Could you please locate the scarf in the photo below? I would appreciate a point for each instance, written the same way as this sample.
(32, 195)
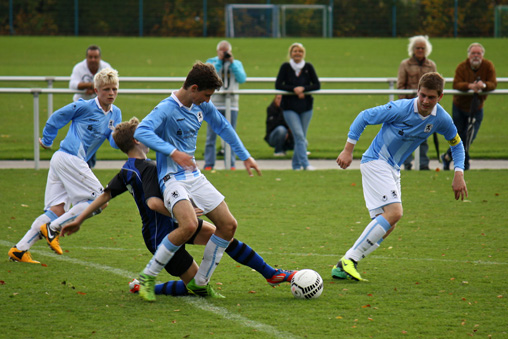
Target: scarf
(297, 67)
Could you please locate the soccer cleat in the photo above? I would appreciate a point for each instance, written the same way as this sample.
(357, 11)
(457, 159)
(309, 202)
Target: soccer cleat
(21, 256)
(349, 266)
(202, 291)
(53, 238)
(134, 286)
(147, 287)
(281, 276)
(338, 273)
(208, 168)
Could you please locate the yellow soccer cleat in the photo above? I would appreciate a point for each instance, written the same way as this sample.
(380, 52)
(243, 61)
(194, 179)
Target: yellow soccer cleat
(21, 256)
(53, 238)
(349, 266)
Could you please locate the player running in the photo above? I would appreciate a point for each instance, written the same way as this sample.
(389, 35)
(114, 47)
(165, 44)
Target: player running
(406, 124)
(70, 181)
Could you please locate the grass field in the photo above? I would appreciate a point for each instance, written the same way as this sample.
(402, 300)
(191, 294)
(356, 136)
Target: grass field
(441, 274)
(261, 57)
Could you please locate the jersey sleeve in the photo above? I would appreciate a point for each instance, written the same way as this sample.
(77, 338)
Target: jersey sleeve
(372, 116)
(116, 186)
(150, 181)
(146, 132)
(57, 120)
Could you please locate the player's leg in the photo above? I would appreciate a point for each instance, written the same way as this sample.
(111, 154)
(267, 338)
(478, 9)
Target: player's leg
(381, 186)
(80, 186)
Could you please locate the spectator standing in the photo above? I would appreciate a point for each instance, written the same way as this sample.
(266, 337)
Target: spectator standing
(410, 72)
(278, 134)
(82, 79)
(298, 77)
(479, 75)
(232, 75)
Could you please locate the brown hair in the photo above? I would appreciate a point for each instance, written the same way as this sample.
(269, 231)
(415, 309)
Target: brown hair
(432, 81)
(124, 134)
(204, 76)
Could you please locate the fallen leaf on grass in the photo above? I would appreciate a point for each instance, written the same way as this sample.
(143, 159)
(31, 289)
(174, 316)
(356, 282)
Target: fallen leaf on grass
(2, 282)
(365, 306)
(82, 293)
(338, 317)
(252, 292)
(23, 205)
(500, 296)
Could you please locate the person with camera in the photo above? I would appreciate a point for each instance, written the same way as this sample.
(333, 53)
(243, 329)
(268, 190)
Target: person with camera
(232, 74)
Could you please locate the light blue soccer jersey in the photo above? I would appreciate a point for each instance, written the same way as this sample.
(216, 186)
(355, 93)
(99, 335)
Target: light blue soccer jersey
(90, 127)
(403, 130)
(172, 126)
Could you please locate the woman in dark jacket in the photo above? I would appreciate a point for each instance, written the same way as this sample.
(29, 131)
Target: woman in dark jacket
(298, 76)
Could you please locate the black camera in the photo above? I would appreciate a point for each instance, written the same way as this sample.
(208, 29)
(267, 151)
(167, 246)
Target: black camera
(226, 56)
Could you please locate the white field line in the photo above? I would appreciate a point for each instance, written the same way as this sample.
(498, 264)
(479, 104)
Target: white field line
(199, 303)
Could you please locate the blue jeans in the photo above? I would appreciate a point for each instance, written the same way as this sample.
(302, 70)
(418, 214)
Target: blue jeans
(211, 138)
(298, 123)
(277, 139)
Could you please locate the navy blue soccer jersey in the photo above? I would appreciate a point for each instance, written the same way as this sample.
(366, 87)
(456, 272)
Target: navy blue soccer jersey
(139, 177)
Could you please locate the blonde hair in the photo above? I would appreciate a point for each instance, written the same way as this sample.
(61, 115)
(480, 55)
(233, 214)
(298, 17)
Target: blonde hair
(296, 44)
(419, 38)
(106, 76)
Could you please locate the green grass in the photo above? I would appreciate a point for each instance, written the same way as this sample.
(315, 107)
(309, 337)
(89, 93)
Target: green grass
(340, 57)
(441, 274)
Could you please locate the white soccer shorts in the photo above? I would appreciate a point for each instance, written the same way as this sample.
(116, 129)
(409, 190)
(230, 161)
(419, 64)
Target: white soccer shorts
(199, 189)
(70, 181)
(381, 185)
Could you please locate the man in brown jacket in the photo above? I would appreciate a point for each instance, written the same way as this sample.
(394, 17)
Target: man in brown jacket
(479, 75)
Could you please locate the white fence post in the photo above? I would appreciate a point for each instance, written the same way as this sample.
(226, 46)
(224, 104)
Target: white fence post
(36, 129)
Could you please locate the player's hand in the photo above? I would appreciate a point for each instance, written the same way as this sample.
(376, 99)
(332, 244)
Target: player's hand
(251, 163)
(184, 160)
(70, 228)
(459, 185)
(42, 145)
(344, 159)
(199, 212)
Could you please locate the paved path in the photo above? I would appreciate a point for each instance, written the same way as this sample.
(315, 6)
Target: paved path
(277, 164)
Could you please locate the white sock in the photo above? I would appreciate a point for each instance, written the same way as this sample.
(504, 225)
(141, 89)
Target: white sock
(32, 236)
(57, 224)
(214, 250)
(162, 256)
(368, 241)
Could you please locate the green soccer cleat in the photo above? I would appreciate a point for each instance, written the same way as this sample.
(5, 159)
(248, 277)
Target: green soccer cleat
(202, 291)
(349, 266)
(338, 273)
(147, 287)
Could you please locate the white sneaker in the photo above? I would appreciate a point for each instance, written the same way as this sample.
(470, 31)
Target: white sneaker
(309, 153)
(310, 168)
(279, 154)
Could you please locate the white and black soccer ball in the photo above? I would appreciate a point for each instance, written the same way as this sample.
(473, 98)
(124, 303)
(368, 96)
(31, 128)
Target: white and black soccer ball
(307, 284)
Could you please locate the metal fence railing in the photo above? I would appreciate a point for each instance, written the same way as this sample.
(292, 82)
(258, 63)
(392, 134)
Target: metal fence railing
(37, 92)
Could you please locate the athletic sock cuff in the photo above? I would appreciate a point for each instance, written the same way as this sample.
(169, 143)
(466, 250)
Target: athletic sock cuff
(219, 241)
(383, 222)
(169, 245)
(51, 215)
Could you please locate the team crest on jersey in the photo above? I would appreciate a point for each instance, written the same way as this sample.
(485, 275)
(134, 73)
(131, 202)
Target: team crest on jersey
(428, 128)
(111, 125)
(175, 194)
(394, 194)
(384, 198)
(200, 116)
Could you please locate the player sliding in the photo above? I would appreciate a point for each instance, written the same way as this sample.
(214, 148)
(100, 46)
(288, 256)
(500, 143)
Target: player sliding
(406, 124)
(70, 180)
(139, 176)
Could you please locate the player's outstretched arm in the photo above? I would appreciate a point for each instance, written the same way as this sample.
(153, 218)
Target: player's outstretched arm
(99, 203)
(459, 185)
(251, 163)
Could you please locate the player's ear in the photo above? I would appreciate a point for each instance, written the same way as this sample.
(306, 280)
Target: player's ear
(194, 88)
(440, 97)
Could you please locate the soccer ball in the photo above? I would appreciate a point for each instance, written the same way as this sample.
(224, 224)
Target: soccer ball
(306, 284)
(134, 286)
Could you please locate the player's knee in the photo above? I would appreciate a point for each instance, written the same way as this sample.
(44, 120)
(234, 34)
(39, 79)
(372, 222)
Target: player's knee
(189, 227)
(228, 228)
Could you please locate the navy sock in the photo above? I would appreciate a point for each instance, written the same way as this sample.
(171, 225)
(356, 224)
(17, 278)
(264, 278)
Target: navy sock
(172, 287)
(245, 255)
